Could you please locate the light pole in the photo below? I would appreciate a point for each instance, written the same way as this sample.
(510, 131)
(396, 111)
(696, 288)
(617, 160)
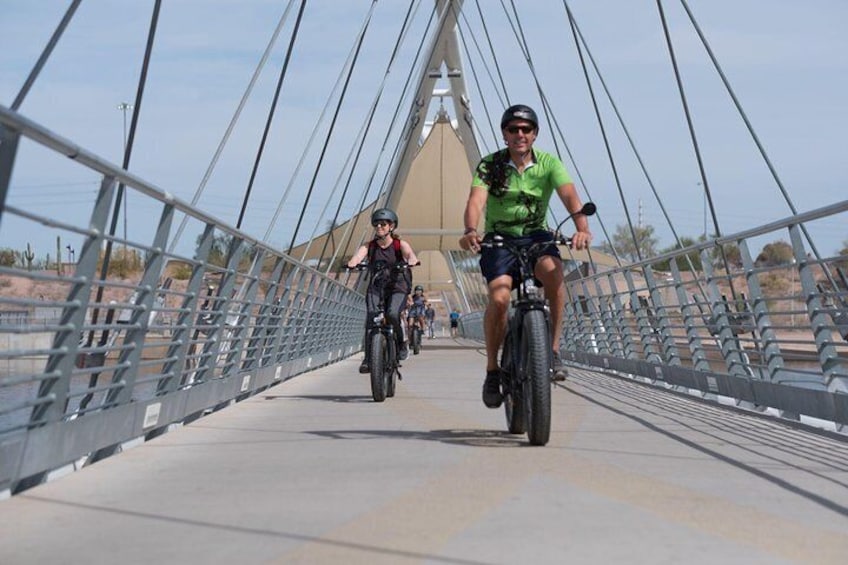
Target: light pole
(792, 294)
(123, 107)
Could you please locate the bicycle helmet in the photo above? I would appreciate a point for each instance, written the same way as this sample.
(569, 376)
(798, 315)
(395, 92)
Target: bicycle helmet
(519, 112)
(384, 215)
(419, 287)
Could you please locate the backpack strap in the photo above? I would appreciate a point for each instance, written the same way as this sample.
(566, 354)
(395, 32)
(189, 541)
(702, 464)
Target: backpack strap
(396, 245)
(372, 245)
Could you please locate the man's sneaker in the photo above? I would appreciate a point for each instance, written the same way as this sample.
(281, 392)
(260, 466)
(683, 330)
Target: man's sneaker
(404, 352)
(492, 397)
(560, 372)
(364, 367)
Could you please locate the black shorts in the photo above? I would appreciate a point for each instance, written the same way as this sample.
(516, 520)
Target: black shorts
(454, 323)
(496, 261)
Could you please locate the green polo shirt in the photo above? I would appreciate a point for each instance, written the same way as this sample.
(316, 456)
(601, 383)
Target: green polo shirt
(522, 207)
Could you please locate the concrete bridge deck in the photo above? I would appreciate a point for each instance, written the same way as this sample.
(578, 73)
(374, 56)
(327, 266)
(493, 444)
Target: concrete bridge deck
(313, 471)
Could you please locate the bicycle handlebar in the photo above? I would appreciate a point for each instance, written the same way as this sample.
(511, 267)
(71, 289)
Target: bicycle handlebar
(365, 265)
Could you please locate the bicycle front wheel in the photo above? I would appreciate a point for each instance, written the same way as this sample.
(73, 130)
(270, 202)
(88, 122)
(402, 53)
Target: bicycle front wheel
(378, 367)
(416, 341)
(536, 354)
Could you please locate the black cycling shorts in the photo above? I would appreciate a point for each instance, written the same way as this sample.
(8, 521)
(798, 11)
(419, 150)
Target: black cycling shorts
(498, 261)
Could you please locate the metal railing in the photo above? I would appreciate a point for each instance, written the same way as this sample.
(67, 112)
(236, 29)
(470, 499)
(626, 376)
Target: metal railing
(712, 320)
(159, 337)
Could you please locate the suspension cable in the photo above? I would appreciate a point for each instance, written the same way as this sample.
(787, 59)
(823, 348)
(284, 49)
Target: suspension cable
(271, 112)
(688, 114)
(332, 125)
(116, 211)
(578, 34)
(45, 54)
(756, 139)
(494, 58)
(233, 121)
(603, 131)
(371, 113)
(303, 155)
(347, 237)
(695, 145)
(474, 75)
(518, 31)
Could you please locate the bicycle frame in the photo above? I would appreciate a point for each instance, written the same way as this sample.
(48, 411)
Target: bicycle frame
(381, 340)
(526, 355)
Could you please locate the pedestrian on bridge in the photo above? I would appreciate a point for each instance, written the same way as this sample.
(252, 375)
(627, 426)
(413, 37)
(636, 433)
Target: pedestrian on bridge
(430, 317)
(514, 186)
(386, 247)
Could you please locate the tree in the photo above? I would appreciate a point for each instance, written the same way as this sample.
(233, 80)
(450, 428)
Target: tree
(8, 257)
(732, 255)
(682, 263)
(775, 253)
(622, 240)
(843, 263)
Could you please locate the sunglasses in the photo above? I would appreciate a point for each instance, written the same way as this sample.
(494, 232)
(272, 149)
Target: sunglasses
(522, 129)
(381, 224)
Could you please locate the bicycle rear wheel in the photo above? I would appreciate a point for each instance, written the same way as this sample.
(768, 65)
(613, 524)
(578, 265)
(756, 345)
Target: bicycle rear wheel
(513, 398)
(536, 354)
(378, 367)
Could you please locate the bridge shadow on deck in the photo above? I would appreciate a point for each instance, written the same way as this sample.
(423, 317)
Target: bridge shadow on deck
(467, 438)
(779, 449)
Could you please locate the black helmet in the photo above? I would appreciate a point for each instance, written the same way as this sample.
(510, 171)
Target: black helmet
(519, 112)
(419, 287)
(384, 215)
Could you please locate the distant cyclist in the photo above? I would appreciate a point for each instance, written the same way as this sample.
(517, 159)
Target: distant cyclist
(415, 312)
(389, 249)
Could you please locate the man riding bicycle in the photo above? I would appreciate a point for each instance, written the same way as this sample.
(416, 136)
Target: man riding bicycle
(514, 187)
(390, 250)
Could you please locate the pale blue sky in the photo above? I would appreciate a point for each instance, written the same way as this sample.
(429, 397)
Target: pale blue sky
(786, 60)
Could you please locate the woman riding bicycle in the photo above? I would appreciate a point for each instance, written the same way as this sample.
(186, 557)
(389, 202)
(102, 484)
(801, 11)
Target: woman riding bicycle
(514, 187)
(387, 250)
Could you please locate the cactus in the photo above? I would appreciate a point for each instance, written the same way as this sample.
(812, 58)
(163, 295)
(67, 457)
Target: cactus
(29, 255)
(59, 255)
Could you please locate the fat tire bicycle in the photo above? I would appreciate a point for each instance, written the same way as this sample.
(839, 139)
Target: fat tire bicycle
(415, 338)
(526, 357)
(381, 340)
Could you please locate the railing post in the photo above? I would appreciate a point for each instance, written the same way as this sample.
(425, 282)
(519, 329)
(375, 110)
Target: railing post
(212, 348)
(833, 368)
(771, 345)
(727, 341)
(646, 332)
(282, 313)
(262, 329)
(599, 332)
(666, 337)
(294, 309)
(457, 279)
(699, 358)
(8, 150)
(53, 390)
(137, 327)
(181, 336)
(621, 320)
(246, 296)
